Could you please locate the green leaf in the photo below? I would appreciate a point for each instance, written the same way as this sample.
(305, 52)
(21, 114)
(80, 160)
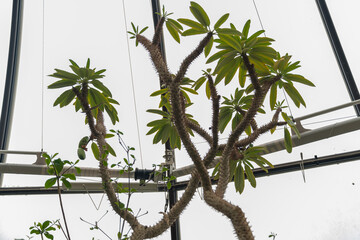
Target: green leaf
(208, 47)
(45, 224)
(199, 83)
(242, 75)
(159, 92)
(173, 32)
(246, 28)
(49, 236)
(207, 90)
(78, 170)
(99, 85)
(64, 75)
(62, 97)
(273, 96)
(193, 31)
(50, 182)
(250, 176)
(231, 41)
(110, 149)
(143, 30)
(239, 179)
(221, 20)
(95, 150)
(255, 35)
(291, 124)
(217, 55)
(199, 13)
(228, 31)
(225, 116)
(69, 97)
(288, 141)
(58, 165)
(236, 120)
(175, 24)
(294, 94)
(192, 24)
(298, 78)
(160, 112)
(70, 176)
(74, 63)
(88, 63)
(190, 90)
(62, 83)
(66, 183)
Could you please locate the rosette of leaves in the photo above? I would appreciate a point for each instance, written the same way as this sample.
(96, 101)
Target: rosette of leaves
(44, 229)
(234, 47)
(56, 167)
(233, 108)
(201, 25)
(241, 169)
(98, 95)
(164, 128)
(233, 44)
(283, 66)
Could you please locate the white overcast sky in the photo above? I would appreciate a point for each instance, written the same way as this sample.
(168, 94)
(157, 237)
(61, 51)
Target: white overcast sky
(325, 207)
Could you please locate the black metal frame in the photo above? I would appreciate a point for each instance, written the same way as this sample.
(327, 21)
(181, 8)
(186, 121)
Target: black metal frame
(10, 87)
(339, 53)
(11, 78)
(172, 193)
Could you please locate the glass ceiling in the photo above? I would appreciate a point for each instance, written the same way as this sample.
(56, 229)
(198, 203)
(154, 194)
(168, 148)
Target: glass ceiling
(325, 207)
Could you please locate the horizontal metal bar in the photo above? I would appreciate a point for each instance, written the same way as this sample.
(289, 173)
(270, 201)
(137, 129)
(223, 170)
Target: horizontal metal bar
(148, 187)
(78, 188)
(20, 152)
(294, 166)
(16, 168)
(332, 109)
(40, 191)
(306, 137)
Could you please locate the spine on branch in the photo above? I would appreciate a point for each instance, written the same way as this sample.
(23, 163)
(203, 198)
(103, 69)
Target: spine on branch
(156, 58)
(158, 31)
(192, 56)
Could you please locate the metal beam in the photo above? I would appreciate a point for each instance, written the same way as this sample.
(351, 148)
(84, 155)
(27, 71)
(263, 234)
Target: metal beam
(11, 78)
(173, 197)
(16, 168)
(339, 53)
(78, 188)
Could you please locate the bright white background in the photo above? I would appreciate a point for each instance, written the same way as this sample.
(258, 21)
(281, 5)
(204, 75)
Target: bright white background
(325, 207)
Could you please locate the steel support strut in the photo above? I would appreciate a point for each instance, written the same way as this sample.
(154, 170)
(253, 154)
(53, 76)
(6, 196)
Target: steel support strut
(11, 78)
(175, 228)
(339, 53)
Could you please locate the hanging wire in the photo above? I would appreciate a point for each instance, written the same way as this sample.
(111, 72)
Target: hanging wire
(42, 76)
(257, 12)
(132, 85)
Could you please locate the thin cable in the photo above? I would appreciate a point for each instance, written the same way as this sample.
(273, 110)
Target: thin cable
(42, 76)
(257, 12)
(133, 88)
(262, 26)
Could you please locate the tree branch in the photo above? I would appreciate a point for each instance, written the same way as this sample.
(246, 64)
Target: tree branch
(192, 56)
(158, 31)
(156, 58)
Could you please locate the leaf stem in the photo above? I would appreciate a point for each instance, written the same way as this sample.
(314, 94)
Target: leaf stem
(62, 208)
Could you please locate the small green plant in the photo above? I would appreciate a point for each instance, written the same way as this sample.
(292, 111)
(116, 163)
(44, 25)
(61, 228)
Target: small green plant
(59, 168)
(44, 229)
(272, 235)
